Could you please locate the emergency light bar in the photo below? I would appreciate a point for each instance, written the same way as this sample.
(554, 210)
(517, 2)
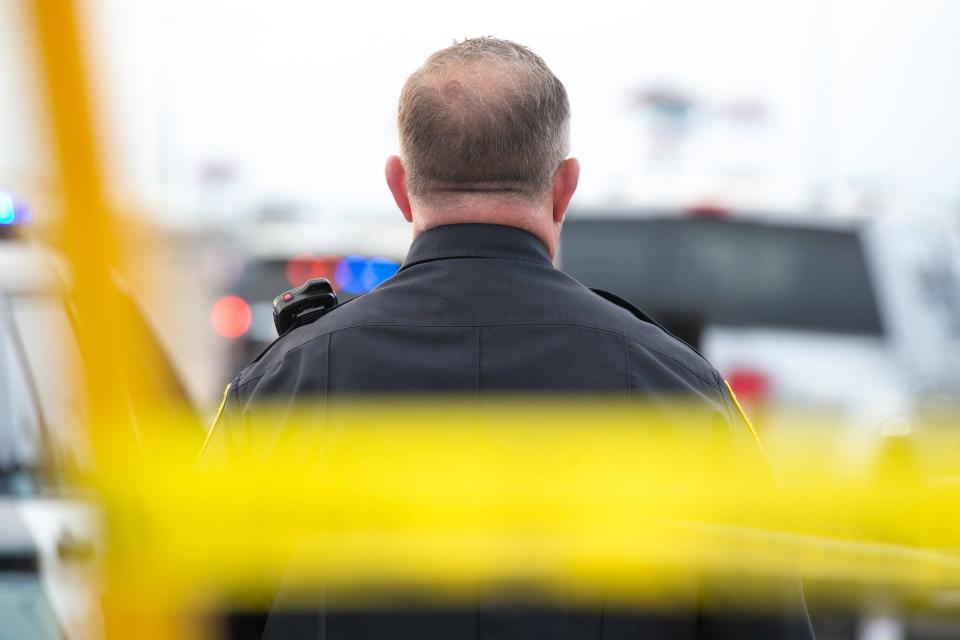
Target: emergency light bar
(12, 211)
(357, 274)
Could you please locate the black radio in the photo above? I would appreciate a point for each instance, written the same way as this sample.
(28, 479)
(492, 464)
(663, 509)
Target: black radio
(304, 304)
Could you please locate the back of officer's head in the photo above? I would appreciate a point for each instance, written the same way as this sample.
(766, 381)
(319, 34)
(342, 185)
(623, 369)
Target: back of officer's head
(484, 120)
(484, 114)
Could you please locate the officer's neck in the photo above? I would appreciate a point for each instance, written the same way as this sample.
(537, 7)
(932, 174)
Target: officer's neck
(531, 217)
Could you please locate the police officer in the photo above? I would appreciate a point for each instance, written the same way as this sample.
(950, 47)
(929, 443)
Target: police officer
(479, 307)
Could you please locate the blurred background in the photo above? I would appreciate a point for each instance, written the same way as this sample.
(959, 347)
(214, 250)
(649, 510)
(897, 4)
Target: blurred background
(777, 181)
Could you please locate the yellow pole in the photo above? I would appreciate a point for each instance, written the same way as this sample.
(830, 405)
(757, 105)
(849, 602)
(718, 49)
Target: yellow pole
(90, 242)
(88, 234)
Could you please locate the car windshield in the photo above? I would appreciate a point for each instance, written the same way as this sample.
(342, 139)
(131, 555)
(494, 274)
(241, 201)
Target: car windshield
(25, 608)
(936, 270)
(731, 273)
(50, 360)
(43, 396)
(20, 428)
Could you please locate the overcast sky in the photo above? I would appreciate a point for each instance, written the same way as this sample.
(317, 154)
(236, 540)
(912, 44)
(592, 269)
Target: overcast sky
(299, 97)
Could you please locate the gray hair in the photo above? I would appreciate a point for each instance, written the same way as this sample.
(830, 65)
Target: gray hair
(484, 115)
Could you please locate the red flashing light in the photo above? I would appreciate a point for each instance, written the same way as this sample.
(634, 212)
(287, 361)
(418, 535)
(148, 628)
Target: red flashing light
(750, 386)
(708, 211)
(287, 297)
(231, 316)
(301, 268)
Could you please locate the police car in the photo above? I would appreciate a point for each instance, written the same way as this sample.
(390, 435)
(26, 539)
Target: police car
(49, 530)
(272, 256)
(858, 320)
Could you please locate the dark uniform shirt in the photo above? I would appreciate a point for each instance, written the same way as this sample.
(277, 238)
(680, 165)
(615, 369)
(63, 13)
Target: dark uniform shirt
(479, 308)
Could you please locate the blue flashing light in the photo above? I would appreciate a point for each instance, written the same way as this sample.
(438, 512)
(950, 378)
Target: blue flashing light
(356, 274)
(12, 211)
(8, 211)
(378, 270)
(349, 274)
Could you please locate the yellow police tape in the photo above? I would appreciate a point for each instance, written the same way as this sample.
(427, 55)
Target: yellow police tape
(577, 501)
(580, 500)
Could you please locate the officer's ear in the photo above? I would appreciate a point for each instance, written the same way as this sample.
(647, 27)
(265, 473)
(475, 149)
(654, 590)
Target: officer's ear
(397, 181)
(564, 184)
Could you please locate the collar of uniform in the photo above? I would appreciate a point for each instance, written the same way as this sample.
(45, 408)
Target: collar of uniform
(476, 241)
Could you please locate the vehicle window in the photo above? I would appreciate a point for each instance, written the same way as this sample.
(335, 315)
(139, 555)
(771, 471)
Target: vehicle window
(25, 609)
(939, 287)
(263, 280)
(20, 430)
(728, 273)
(53, 358)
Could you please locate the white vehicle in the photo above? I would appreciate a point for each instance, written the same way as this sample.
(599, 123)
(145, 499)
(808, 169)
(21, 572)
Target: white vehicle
(49, 530)
(855, 324)
(856, 320)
